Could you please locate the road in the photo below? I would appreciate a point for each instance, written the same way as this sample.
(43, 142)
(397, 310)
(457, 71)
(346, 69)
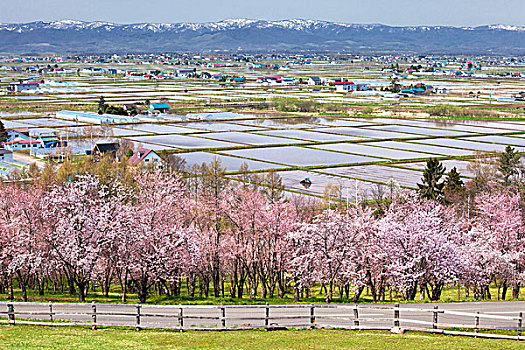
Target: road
(370, 315)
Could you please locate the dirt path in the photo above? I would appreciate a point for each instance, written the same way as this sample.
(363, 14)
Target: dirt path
(26, 158)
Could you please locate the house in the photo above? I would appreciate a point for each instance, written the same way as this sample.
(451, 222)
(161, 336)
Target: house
(314, 81)
(234, 80)
(185, 73)
(20, 144)
(345, 86)
(102, 148)
(27, 86)
(275, 80)
(418, 89)
(19, 133)
(160, 107)
(6, 155)
(50, 140)
(288, 80)
(146, 156)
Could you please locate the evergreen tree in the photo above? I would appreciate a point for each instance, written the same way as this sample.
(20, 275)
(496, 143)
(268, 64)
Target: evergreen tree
(102, 105)
(432, 188)
(3, 133)
(453, 182)
(508, 164)
(116, 110)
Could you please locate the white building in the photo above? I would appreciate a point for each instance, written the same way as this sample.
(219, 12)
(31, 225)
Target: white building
(345, 86)
(315, 81)
(146, 156)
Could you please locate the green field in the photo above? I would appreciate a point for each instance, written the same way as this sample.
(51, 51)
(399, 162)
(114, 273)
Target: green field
(31, 337)
(449, 294)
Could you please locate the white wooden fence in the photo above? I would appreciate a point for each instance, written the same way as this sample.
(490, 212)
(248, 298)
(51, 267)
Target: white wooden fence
(221, 317)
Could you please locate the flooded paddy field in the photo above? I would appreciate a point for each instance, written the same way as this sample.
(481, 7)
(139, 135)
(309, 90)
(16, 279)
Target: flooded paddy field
(340, 151)
(372, 144)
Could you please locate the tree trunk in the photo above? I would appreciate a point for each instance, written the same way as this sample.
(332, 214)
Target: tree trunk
(516, 290)
(329, 295)
(10, 288)
(81, 291)
(504, 290)
(240, 288)
(295, 291)
(142, 290)
(357, 294)
(23, 285)
(281, 285)
(71, 284)
(41, 286)
(216, 279)
(234, 282)
(264, 289)
(422, 292)
(411, 292)
(124, 285)
(192, 287)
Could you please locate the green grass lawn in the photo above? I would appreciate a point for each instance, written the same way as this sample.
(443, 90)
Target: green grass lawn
(449, 295)
(32, 337)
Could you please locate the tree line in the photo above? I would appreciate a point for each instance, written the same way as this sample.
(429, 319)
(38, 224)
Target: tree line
(146, 231)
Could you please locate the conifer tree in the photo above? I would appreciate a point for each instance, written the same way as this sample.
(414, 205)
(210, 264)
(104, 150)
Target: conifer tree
(508, 164)
(431, 187)
(453, 182)
(3, 133)
(102, 105)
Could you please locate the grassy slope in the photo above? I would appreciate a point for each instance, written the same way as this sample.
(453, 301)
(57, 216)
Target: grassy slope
(31, 337)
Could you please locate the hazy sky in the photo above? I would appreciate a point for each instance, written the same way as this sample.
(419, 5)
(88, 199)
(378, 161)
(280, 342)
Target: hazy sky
(393, 12)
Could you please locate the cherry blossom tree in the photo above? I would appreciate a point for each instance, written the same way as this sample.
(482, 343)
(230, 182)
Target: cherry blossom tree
(324, 250)
(80, 214)
(153, 229)
(499, 237)
(30, 253)
(149, 231)
(10, 204)
(419, 236)
(259, 240)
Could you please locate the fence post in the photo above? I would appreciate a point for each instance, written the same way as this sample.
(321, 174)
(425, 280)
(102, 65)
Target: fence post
(356, 316)
(267, 316)
(51, 318)
(435, 317)
(93, 316)
(520, 324)
(137, 328)
(223, 316)
(11, 314)
(476, 324)
(312, 316)
(181, 318)
(396, 315)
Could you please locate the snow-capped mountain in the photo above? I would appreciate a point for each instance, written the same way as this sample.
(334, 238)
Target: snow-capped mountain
(257, 35)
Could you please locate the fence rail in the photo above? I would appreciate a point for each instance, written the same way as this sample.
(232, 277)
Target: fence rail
(224, 317)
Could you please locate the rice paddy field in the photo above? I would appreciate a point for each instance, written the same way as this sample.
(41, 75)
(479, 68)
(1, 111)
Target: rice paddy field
(356, 158)
(357, 150)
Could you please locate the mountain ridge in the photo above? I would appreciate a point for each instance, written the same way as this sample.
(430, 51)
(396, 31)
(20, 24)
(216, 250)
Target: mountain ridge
(72, 36)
